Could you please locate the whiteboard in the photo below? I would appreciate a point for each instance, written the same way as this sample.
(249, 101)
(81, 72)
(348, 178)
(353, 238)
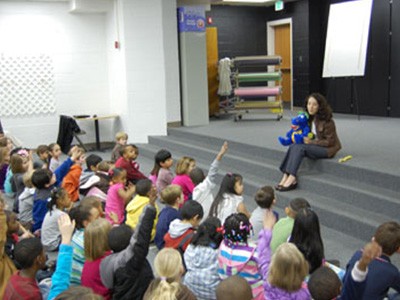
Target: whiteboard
(347, 39)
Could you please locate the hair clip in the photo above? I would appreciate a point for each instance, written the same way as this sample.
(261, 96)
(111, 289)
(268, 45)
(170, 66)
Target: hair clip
(111, 173)
(162, 278)
(23, 152)
(229, 174)
(220, 229)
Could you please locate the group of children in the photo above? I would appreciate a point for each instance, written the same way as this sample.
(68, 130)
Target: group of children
(96, 226)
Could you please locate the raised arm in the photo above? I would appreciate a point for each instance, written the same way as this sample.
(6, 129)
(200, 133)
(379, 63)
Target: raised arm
(137, 250)
(355, 283)
(61, 277)
(264, 240)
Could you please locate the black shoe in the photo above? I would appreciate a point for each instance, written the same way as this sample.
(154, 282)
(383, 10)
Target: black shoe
(278, 187)
(288, 188)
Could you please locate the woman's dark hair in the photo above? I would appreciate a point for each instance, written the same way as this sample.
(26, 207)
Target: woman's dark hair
(56, 193)
(324, 110)
(227, 187)
(161, 156)
(237, 228)
(306, 235)
(208, 233)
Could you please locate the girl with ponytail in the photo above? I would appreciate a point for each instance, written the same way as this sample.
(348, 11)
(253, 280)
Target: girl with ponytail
(167, 286)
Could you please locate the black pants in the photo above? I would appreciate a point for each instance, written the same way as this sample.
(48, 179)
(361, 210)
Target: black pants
(295, 154)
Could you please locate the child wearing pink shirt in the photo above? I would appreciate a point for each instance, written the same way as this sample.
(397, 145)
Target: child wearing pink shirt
(183, 168)
(118, 196)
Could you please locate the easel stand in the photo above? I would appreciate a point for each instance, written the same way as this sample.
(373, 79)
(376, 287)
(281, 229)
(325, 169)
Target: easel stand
(354, 98)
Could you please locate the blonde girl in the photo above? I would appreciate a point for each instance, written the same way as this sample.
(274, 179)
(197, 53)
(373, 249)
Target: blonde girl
(96, 248)
(283, 275)
(118, 196)
(167, 286)
(55, 153)
(183, 168)
(57, 206)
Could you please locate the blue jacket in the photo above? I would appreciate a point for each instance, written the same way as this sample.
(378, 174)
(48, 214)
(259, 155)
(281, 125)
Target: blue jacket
(167, 215)
(60, 278)
(382, 275)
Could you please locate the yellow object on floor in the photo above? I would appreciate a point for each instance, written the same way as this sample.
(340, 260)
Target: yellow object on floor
(346, 158)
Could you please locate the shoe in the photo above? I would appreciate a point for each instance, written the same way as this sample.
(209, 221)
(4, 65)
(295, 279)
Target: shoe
(288, 188)
(278, 187)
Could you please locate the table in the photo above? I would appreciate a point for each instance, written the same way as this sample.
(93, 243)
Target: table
(96, 120)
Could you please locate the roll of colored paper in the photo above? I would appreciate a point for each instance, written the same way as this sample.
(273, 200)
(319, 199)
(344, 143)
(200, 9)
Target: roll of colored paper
(259, 77)
(257, 60)
(257, 91)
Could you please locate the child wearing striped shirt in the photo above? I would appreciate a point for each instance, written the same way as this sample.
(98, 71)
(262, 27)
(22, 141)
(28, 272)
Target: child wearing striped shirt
(237, 256)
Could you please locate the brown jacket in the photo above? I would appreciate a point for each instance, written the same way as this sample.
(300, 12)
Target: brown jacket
(327, 137)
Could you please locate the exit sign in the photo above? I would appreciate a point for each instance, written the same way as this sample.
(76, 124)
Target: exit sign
(279, 5)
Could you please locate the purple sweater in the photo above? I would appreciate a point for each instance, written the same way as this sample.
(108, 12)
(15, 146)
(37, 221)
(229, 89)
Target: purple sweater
(264, 260)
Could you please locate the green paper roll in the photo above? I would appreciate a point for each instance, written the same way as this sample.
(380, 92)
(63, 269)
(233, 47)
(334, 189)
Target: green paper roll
(259, 77)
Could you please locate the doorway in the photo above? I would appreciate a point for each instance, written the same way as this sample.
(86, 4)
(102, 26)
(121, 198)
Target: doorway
(279, 41)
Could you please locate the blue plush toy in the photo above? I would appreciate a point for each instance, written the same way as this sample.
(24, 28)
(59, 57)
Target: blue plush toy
(299, 130)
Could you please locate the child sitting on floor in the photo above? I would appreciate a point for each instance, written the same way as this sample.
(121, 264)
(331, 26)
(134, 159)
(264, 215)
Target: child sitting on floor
(201, 259)
(118, 196)
(30, 256)
(71, 181)
(169, 268)
(26, 201)
(382, 274)
(284, 274)
(229, 199)
(127, 270)
(183, 168)
(181, 232)
(56, 207)
(265, 199)
(145, 192)
(129, 153)
(163, 163)
(42, 151)
(238, 257)
(55, 153)
(234, 288)
(172, 197)
(121, 138)
(283, 228)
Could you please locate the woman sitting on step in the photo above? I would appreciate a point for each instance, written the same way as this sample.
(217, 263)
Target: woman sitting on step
(325, 143)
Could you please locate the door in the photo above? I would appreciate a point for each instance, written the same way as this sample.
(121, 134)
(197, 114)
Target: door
(212, 70)
(283, 48)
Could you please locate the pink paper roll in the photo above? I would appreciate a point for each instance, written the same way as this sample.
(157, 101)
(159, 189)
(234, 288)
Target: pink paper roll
(257, 91)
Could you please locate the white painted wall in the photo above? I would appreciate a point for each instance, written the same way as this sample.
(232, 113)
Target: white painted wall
(145, 69)
(139, 81)
(77, 45)
(170, 39)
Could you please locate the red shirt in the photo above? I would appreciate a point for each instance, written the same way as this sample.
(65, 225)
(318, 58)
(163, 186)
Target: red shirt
(174, 242)
(132, 171)
(22, 288)
(91, 277)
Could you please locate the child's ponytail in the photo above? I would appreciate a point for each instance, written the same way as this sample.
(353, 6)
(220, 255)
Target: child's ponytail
(165, 290)
(168, 265)
(56, 194)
